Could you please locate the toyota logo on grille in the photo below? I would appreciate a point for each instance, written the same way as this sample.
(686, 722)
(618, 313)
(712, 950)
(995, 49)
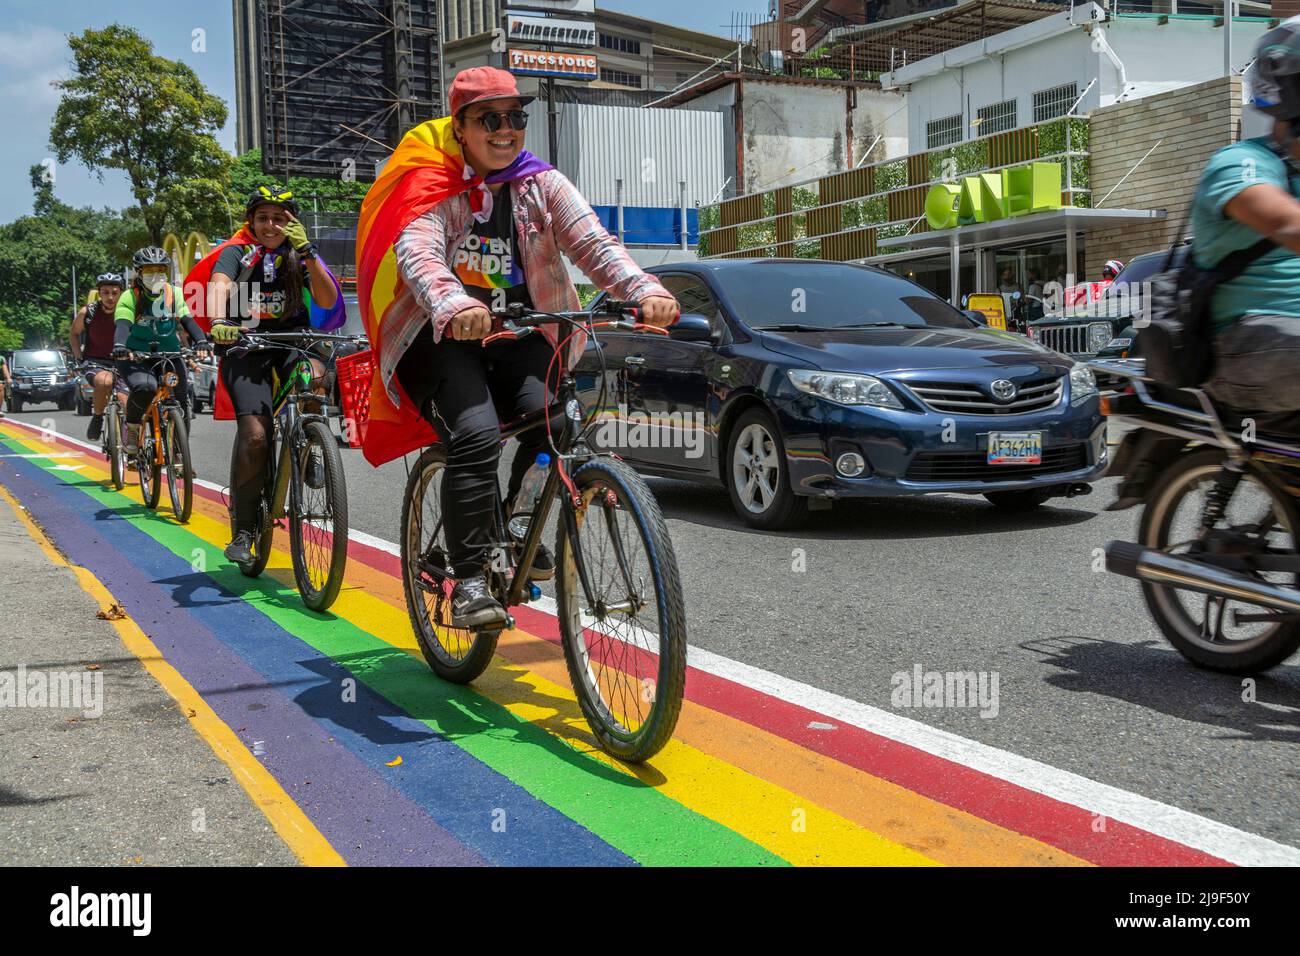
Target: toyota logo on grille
(1003, 390)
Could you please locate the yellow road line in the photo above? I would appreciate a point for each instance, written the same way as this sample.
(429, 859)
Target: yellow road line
(285, 816)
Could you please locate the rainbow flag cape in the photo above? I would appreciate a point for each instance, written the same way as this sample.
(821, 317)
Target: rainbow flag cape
(426, 168)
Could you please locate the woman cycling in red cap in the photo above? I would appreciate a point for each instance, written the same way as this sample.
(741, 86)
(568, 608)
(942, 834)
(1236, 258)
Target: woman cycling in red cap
(497, 243)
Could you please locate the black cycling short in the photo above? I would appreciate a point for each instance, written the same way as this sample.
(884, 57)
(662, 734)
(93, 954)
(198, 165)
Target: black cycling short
(249, 378)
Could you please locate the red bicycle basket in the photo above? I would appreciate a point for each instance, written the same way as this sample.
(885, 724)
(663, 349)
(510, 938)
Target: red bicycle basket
(354, 372)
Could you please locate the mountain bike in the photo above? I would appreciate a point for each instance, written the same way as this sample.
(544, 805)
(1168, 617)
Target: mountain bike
(304, 475)
(618, 590)
(164, 440)
(112, 440)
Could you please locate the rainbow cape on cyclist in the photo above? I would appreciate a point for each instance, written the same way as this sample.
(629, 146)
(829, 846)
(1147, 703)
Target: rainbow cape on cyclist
(196, 297)
(426, 168)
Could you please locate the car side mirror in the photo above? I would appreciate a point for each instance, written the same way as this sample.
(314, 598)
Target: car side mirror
(691, 327)
(979, 318)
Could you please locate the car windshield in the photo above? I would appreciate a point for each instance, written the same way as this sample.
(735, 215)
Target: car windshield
(815, 296)
(38, 360)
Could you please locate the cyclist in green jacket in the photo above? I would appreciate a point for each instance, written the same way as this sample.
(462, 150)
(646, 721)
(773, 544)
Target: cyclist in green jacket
(149, 316)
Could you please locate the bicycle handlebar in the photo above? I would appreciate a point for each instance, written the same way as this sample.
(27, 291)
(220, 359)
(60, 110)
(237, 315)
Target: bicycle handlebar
(522, 321)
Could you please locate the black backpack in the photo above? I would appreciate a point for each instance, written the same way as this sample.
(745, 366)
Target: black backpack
(1177, 342)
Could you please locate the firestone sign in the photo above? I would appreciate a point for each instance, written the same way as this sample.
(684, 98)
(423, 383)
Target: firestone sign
(571, 66)
(1004, 194)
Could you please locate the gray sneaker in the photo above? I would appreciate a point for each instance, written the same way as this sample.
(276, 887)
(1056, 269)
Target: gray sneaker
(473, 606)
(241, 549)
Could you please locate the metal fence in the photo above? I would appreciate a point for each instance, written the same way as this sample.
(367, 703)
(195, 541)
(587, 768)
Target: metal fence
(844, 215)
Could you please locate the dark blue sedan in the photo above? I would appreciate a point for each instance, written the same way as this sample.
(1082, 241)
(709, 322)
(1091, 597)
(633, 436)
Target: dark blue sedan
(795, 382)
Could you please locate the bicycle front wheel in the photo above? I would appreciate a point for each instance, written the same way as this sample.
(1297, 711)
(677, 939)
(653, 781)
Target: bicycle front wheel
(176, 461)
(318, 519)
(624, 629)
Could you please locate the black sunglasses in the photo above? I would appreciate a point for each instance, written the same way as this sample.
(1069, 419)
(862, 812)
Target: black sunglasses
(492, 121)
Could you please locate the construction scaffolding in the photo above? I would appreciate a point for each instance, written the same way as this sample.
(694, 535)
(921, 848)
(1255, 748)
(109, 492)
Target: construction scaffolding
(342, 80)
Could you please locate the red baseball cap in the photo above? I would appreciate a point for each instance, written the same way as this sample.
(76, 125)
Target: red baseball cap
(480, 83)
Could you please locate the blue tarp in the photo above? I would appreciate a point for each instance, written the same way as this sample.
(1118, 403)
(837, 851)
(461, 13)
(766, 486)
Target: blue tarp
(650, 225)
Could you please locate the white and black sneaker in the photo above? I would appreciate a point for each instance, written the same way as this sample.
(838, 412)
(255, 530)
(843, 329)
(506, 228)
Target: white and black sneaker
(543, 564)
(473, 606)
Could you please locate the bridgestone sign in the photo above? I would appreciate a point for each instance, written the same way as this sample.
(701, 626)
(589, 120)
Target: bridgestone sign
(551, 31)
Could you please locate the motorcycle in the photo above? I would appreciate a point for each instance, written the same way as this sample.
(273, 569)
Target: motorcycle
(1217, 551)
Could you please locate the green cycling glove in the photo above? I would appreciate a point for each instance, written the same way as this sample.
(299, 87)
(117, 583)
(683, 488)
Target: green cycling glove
(223, 333)
(296, 233)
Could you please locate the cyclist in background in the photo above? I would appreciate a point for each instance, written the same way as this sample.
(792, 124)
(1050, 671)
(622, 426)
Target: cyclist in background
(268, 278)
(96, 325)
(5, 380)
(149, 316)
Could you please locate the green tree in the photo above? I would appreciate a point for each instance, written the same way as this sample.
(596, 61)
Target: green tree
(38, 254)
(127, 108)
(335, 195)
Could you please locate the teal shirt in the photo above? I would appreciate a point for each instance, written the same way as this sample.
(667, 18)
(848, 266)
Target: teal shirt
(1271, 284)
(157, 323)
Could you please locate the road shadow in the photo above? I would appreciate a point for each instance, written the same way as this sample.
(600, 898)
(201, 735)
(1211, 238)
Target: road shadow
(876, 518)
(393, 684)
(1153, 676)
(186, 586)
(10, 797)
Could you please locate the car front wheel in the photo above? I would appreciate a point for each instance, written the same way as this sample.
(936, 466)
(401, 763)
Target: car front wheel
(757, 476)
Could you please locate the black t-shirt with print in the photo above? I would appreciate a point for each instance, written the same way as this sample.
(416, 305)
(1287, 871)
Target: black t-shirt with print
(261, 299)
(486, 262)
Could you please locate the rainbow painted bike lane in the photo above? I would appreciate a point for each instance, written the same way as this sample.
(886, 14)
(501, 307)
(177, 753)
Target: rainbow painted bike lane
(369, 759)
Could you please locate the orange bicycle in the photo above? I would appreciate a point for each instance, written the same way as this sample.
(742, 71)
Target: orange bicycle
(165, 442)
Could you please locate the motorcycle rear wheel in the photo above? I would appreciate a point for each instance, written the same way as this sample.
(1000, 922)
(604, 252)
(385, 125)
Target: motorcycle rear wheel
(1170, 523)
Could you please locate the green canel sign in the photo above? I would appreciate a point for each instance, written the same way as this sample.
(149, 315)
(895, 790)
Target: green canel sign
(1018, 191)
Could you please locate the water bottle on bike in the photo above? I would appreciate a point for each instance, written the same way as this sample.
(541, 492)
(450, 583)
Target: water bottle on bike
(530, 492)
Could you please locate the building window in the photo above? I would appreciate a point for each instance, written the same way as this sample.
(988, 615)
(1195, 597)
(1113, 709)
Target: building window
(997, 118)
(621, 44)
(619, 78)
(1049, 104)
(943, 132)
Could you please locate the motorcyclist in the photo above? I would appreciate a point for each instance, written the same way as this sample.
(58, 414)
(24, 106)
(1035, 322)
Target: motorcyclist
(1248, 190)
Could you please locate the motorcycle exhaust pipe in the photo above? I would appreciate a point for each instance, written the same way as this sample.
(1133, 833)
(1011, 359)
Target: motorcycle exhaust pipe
(1156, 567)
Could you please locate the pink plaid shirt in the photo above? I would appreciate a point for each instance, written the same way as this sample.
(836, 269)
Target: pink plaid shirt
(550, 217)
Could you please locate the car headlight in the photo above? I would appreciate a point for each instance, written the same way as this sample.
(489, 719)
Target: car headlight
(1082, 383)
(844, 388)
(1099, 334)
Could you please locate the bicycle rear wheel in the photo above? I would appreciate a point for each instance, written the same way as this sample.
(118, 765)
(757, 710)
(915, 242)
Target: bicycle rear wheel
(455, 654)
(625, 641)
(318, 521)
(113, 446)
(176, 456)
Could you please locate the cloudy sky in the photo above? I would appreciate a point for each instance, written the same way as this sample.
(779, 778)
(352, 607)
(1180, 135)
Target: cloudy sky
(34, 53)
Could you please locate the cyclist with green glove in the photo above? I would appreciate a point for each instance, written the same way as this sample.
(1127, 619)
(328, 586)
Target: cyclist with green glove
(269, 279)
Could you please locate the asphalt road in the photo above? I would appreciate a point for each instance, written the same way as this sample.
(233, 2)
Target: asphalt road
(870, 589)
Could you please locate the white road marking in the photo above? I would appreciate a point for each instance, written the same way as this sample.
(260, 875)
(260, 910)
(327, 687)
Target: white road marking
(1209, 836)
